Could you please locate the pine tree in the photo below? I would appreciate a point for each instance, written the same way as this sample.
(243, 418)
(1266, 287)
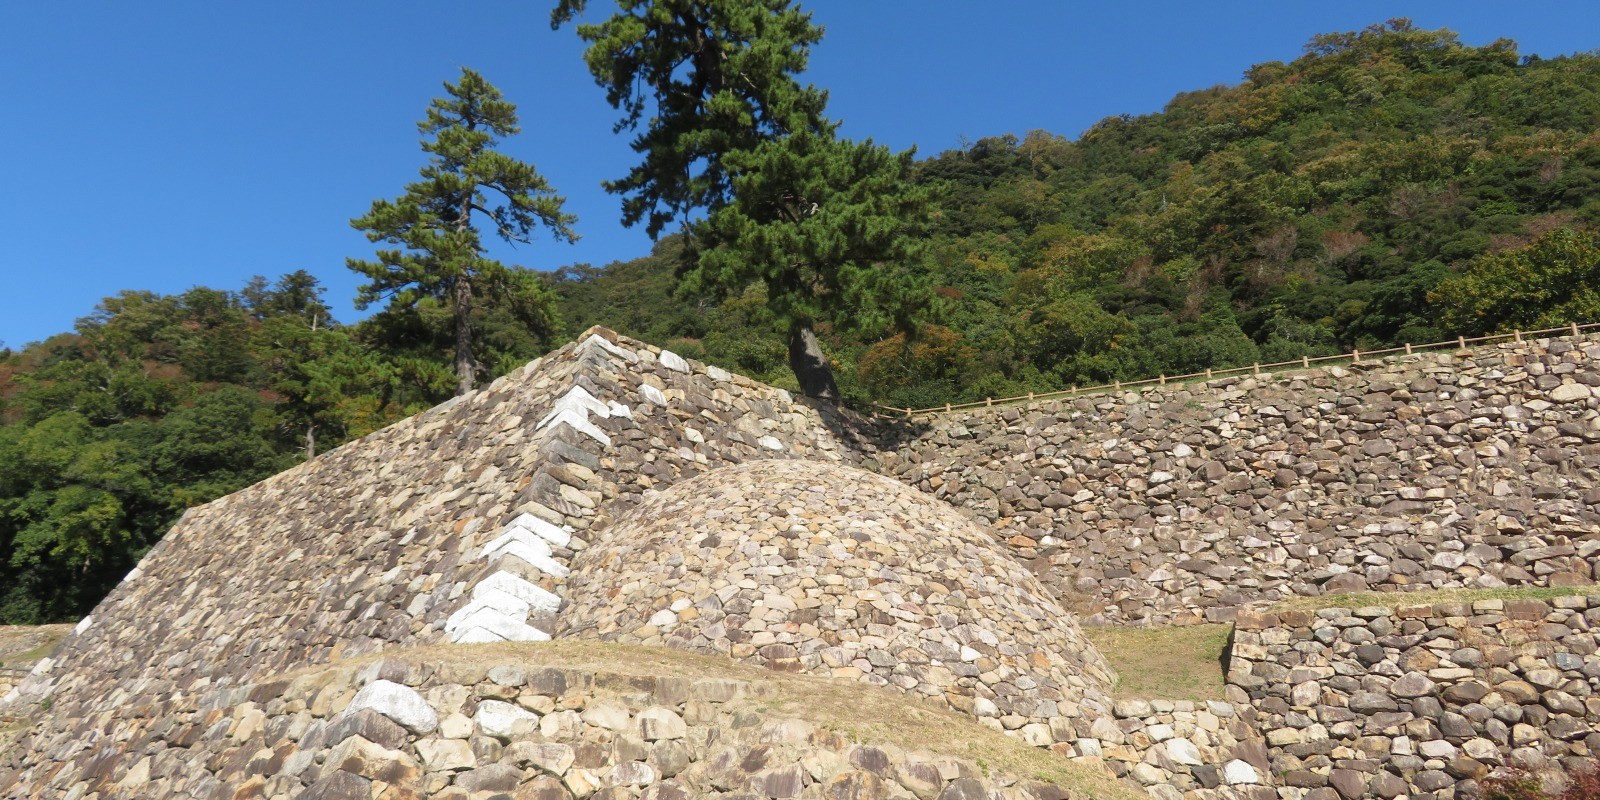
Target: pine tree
(434, 222)
(729, 131)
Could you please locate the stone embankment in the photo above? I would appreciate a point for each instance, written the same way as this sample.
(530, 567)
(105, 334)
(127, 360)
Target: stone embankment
(806, 567)
(1473, 469)
(563, 500)
(1420, 701)
(1182, 749)
(495, 722)
(455, 525)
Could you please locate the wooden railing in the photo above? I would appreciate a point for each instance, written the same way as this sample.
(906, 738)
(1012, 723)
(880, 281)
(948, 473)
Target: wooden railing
(1352, 357)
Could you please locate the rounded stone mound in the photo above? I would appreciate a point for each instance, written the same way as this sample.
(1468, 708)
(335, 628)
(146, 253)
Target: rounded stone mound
(809, 567)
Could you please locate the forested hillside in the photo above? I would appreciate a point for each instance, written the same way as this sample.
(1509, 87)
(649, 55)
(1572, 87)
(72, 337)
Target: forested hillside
(156, 403)
(1391, 185)
(1317, 206)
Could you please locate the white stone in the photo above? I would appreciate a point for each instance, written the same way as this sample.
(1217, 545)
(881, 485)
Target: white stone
(659, 722)
(632, 773)
(610, 716)
(653, 396)
(553, 534)
(399, 703)
(770, 442)
(579, 423)
(1090, 747)
(537, 597)
(515, 534)
(663, 618)
(1570, 393)
(718, 374)
(504, 720)
(508, 627)
(1436, 748)
(503, 602)
(475, 635)
(578, 400)
(620, 410)
(540, 560)
(596, 340)
(1183, 751)
(673, 361)
(1237, 772)
(83, 624)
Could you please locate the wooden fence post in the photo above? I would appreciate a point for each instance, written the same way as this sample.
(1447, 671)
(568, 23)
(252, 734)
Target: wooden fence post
(1305, 362)
(1408, 348)
(1258, 367)
(1355, 356)
(1574, 329)
(1461, 341)
(1517, 335)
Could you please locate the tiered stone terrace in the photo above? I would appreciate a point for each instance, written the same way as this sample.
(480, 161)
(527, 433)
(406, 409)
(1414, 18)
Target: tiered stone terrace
(563, 500)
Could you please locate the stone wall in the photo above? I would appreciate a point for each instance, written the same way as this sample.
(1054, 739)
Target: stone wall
(1421, 701)
(1181, 749)
(477, 522)
(486, 723)
(455, 525)
(808, 567)
(1472, 469)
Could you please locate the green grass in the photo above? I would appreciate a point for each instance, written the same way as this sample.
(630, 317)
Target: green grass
(22, 645)
(1165, 663)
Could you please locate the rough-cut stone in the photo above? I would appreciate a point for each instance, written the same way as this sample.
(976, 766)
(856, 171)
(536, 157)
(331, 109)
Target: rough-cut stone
(397, 702)
(504, 720)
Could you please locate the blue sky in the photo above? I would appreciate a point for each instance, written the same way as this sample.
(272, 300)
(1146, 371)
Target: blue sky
(168, 144)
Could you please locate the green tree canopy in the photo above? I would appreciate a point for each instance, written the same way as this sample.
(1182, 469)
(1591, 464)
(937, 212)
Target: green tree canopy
(728, 130)
(1550, 282)
(436, 221)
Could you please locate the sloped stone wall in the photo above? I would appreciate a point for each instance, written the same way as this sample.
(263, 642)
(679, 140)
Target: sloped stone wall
(803, 566)
(1472, 469)
(1421, 701)
(455, 525)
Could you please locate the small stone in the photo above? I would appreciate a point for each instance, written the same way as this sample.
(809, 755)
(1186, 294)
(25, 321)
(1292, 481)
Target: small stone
(659, 722)
(505, 721)
(1239, 773)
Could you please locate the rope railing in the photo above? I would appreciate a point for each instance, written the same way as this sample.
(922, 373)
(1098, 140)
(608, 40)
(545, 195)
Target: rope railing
(1304, 362)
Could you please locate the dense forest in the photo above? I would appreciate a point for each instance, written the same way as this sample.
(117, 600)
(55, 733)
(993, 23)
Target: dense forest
(1386, 187)
(1390, 185)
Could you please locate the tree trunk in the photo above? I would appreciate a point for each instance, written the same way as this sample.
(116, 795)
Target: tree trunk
(809, 363)
(311, 440)
(466, 367)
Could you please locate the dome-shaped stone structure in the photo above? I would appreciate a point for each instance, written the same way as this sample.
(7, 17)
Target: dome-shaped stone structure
(818, 568)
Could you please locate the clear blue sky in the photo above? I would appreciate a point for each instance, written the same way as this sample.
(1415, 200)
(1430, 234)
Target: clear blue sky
(167, 144)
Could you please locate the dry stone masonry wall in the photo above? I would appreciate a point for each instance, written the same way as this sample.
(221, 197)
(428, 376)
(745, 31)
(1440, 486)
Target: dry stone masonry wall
(595, 494)
(471, 729)
(1472, 469)
(1420, 701)
(800, 566)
